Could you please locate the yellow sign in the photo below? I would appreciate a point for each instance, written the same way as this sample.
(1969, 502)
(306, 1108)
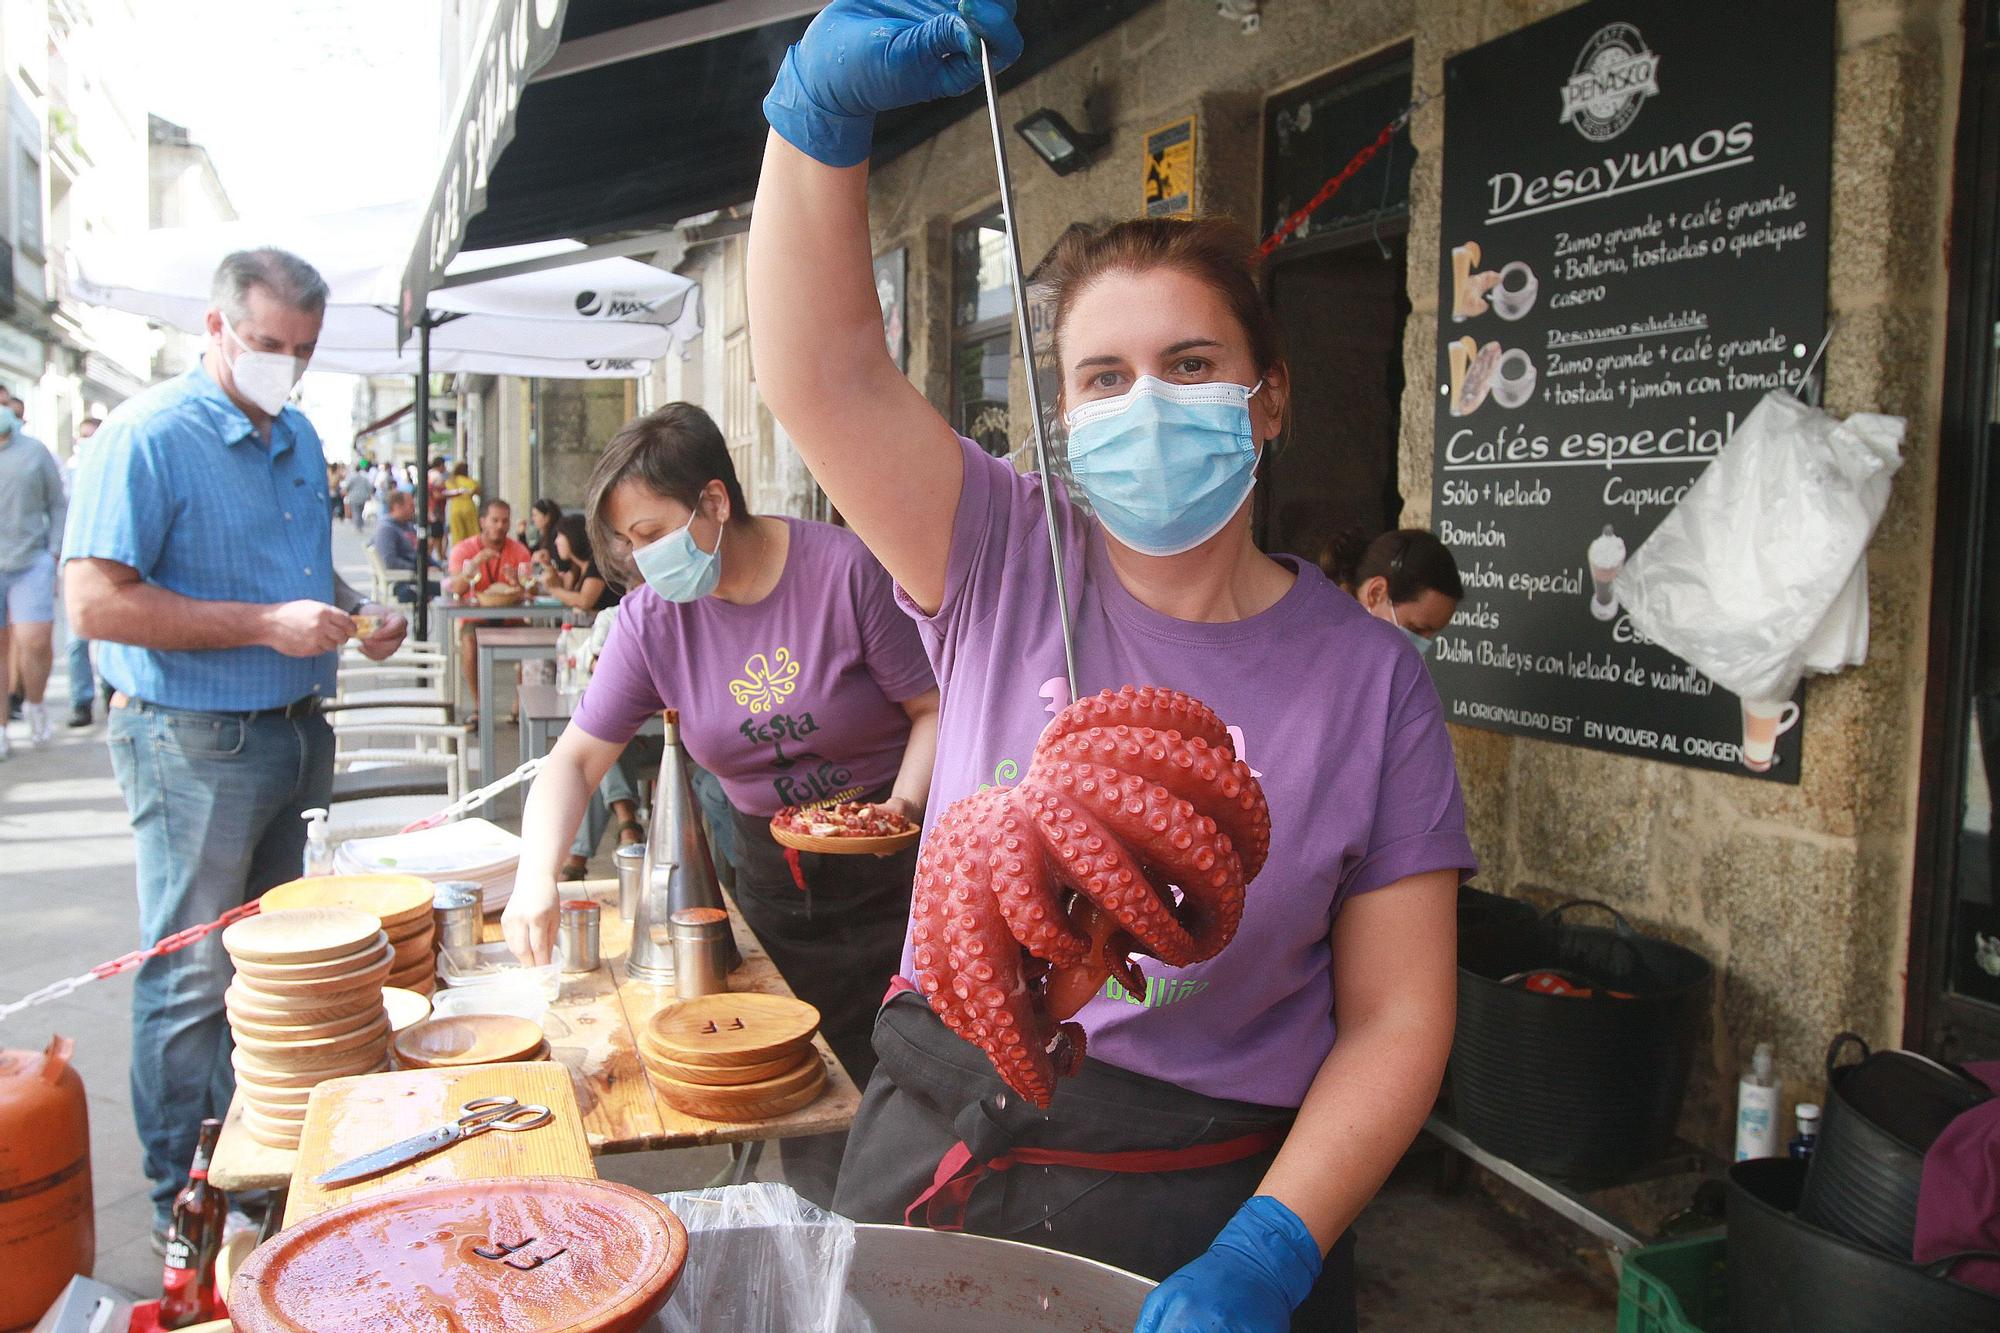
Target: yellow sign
(1170, 170)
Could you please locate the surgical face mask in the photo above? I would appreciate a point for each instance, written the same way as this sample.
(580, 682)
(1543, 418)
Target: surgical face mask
(1417, 641)
(265, 378)
(1165, 466)
(10, 421)
(677, 568)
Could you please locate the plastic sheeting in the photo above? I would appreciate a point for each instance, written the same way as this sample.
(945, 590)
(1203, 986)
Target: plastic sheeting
(1758, 575)
(760, 1257)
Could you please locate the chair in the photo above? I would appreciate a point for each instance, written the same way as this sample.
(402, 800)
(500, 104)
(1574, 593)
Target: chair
(381, 786)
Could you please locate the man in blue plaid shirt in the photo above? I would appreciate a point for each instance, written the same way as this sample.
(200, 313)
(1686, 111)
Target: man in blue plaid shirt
(199, 557)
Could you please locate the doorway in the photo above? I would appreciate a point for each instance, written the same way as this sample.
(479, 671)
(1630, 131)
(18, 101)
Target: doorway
(1952, 1001)
(1339, 288)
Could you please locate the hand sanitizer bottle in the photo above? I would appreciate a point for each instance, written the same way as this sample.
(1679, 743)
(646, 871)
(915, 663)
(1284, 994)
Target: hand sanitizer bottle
(319, 851)
(1757, 1133)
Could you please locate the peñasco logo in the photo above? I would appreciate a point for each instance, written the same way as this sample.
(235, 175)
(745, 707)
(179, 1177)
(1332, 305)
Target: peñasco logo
(1613, 76)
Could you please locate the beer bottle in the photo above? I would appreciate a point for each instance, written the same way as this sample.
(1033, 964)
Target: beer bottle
(187, 1292)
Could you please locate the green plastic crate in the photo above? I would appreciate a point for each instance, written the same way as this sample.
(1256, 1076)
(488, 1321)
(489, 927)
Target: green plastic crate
(1678, 1286)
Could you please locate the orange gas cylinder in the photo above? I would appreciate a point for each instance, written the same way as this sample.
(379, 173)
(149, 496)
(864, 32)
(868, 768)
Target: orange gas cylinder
(48, 1233)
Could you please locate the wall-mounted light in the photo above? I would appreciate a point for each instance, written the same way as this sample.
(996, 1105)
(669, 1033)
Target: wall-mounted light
(1060, 144)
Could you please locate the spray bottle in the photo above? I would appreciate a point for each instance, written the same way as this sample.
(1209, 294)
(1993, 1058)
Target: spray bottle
(319, 849)
(1757, 1133)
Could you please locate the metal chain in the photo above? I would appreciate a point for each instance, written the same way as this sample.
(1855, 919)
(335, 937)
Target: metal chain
(1333, 185)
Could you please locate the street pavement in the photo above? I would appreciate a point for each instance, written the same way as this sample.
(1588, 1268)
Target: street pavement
(1425, 1261)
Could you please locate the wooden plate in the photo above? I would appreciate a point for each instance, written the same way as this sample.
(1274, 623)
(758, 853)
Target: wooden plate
(280, 975)
(294, 1069)
(271, 1098)
(271, 1133)
(808, 842)
(252, 1031)
(317, 988)
(300, 937)
(288, 1112)
(422, 928)
(716, 1076)
(787, 1093)
(262, 1078)
(736, 1028)
(411, 953)
(414, 978)
(316, 1052)
(467, 1039)
(240, 1003)
(393, 900)
(411, 1249)
(406, 1007)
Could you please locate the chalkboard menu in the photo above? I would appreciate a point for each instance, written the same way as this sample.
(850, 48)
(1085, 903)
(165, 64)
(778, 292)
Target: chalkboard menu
(1633, 252)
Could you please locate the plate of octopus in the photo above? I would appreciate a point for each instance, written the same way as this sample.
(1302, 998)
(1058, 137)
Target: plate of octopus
(845, 828)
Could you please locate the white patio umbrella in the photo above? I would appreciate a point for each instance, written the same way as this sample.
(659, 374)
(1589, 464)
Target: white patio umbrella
(600, 319)
(607, 318)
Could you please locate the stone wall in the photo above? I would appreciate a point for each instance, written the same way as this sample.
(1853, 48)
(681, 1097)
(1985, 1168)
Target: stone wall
(1798, 894)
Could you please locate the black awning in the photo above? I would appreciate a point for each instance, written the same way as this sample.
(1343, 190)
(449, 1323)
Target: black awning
(649, 141)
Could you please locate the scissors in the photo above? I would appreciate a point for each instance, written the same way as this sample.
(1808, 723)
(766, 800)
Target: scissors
(476, 1117)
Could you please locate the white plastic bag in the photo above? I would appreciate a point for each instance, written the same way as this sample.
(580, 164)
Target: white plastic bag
(1757, 575)
(760, 1257)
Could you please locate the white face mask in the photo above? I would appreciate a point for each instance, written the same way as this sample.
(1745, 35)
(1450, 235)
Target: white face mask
(265, 378)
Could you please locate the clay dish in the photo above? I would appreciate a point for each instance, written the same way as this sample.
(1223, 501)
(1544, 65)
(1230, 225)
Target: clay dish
(609, 1258)
(300, 937)
(467, 1039)
(395, 901)
(406, 1007)
(734, 1028)
(279, 975)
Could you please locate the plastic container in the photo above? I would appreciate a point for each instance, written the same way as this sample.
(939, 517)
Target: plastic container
(1787, 1275)
(1584, 1088)
(1677, 1286)
(484, 964)
(1757, 1108)
(520, 998)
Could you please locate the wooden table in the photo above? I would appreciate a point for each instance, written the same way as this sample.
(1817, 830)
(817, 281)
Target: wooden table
(592, 1031)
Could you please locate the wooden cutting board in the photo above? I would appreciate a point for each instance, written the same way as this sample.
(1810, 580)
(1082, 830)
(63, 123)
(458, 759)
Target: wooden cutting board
(351, 1116)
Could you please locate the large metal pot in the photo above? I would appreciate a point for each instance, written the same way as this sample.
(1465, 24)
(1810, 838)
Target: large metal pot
(911, 1280)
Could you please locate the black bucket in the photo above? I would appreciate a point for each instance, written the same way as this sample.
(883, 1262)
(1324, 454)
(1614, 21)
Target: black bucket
(1580, 1088)
(1882, 1115)
(1788, 1276)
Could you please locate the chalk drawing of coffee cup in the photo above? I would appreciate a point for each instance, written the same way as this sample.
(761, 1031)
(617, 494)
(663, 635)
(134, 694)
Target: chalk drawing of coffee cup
(1514, 290)
(1607, 557)
(1472, 370)
(1514, 379)
(1764, 720)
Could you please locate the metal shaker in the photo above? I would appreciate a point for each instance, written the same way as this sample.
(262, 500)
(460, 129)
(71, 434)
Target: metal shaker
(457, 913)
(701, 951)
(631, 862)
(577, 932)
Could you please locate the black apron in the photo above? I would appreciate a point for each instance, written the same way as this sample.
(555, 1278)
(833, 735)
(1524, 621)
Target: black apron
(834, 927)
(933, 1092)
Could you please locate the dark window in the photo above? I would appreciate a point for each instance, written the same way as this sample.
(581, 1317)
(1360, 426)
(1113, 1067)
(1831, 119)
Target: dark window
(981, 332)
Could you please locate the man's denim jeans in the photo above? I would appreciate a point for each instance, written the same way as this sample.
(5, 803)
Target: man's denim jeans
(82, 683)
(215, 802)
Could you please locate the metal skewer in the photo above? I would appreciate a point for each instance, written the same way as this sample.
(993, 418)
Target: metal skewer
(1020, 284)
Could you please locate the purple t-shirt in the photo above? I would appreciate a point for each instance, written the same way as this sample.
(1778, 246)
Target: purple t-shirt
(789, 700)
(1328, 705)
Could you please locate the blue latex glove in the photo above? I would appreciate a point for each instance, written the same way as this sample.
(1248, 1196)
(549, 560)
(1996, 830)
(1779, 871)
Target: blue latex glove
(1259, 1269)
(863, 57)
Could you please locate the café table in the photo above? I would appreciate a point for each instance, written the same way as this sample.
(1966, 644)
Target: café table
(544, 714)
(493, 646)
(449, 612)
(593, 1031)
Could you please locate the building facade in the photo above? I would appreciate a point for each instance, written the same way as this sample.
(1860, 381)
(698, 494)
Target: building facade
(1800, 894)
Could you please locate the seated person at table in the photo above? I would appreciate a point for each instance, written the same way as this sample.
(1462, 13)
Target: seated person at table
(396, 542)
(1406, 577)
(486, 558)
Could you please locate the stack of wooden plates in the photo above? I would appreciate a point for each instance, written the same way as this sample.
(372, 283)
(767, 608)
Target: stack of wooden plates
(738, 1056)
(306, 1005)
(470, 1039)
(402, 903)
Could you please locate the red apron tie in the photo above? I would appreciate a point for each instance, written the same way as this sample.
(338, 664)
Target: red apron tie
(944, 1203)
(899, 985)
(798, 871)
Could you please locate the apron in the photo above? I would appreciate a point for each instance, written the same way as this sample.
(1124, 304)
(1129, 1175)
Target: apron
(1125, 1169)
(834, 926)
